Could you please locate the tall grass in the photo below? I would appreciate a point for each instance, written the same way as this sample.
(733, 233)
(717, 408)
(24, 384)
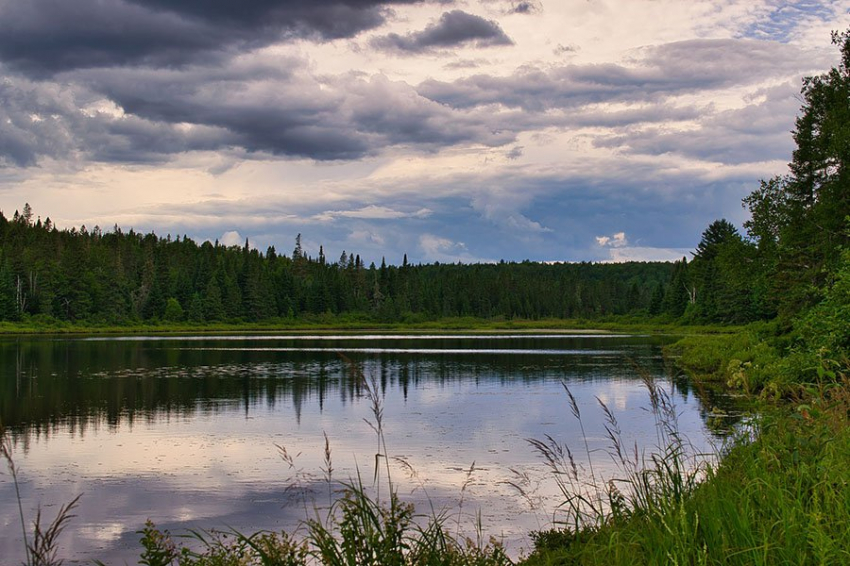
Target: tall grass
(644, 485)
(780, 496)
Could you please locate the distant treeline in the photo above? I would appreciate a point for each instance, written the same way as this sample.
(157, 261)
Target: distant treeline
(120, 277)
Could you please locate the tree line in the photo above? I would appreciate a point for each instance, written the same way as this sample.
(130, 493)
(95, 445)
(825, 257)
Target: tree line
(123, 277)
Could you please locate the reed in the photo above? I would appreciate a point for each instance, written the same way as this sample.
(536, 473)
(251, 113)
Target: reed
(779, 495)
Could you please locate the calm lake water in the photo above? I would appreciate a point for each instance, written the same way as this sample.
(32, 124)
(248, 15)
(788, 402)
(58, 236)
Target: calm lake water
(186, 431)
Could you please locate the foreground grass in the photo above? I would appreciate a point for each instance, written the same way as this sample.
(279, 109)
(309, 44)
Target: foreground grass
(783, 498)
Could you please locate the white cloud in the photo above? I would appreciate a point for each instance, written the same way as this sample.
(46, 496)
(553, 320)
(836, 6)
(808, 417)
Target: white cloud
(437, 248)
(232, 238)
(366, 237)
(617, 240)
(501, 207)
(373, 212)
(620, 251)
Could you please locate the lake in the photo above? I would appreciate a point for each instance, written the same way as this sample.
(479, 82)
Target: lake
(188, 431)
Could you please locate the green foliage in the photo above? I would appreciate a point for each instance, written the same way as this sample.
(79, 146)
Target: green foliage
(359, 532)
(799, 221)
(717, 236)
(173, 311)
(195, 312)
(757, 359)
(369, 534)
(825, 330)
(220, 549)
(159, 549)
(679, 291)
(763, 358)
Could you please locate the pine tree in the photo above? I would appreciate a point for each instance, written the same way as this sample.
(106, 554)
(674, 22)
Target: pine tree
(8, 308)
(816, 197)
(173, 311)
(679, 293)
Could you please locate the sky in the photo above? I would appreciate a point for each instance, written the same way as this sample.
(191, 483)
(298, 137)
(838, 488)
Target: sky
(447, 130)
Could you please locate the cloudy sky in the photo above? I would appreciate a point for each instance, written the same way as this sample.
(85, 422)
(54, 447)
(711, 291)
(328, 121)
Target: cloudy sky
(450, 130)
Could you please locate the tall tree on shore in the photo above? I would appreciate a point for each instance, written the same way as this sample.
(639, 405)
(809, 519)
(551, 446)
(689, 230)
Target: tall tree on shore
(814, 200)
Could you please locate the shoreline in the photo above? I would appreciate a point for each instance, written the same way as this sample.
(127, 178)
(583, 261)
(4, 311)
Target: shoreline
(450, 326)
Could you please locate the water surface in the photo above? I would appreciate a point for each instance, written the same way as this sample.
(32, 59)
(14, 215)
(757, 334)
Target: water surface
(187, 431)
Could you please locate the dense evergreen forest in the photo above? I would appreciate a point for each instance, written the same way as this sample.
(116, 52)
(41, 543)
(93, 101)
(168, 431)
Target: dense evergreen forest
(122, 277)
(786, 262)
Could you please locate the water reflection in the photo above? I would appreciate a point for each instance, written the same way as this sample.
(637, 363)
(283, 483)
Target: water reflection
(184, 430)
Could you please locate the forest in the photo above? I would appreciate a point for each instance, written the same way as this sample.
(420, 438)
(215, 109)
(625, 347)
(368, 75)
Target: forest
(121, 277)
(118, 277)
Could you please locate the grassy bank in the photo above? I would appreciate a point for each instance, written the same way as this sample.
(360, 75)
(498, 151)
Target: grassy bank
(782, 499)
(781, 492)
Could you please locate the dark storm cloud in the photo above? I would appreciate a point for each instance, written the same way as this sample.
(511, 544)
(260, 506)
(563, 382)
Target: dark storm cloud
(46, 36)
(277, 106)
(285, 115)
(662, 71)
(32, 122)
(251, 105)
(39, 120)
(133, 140)
(151, 115)
(453, 29)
